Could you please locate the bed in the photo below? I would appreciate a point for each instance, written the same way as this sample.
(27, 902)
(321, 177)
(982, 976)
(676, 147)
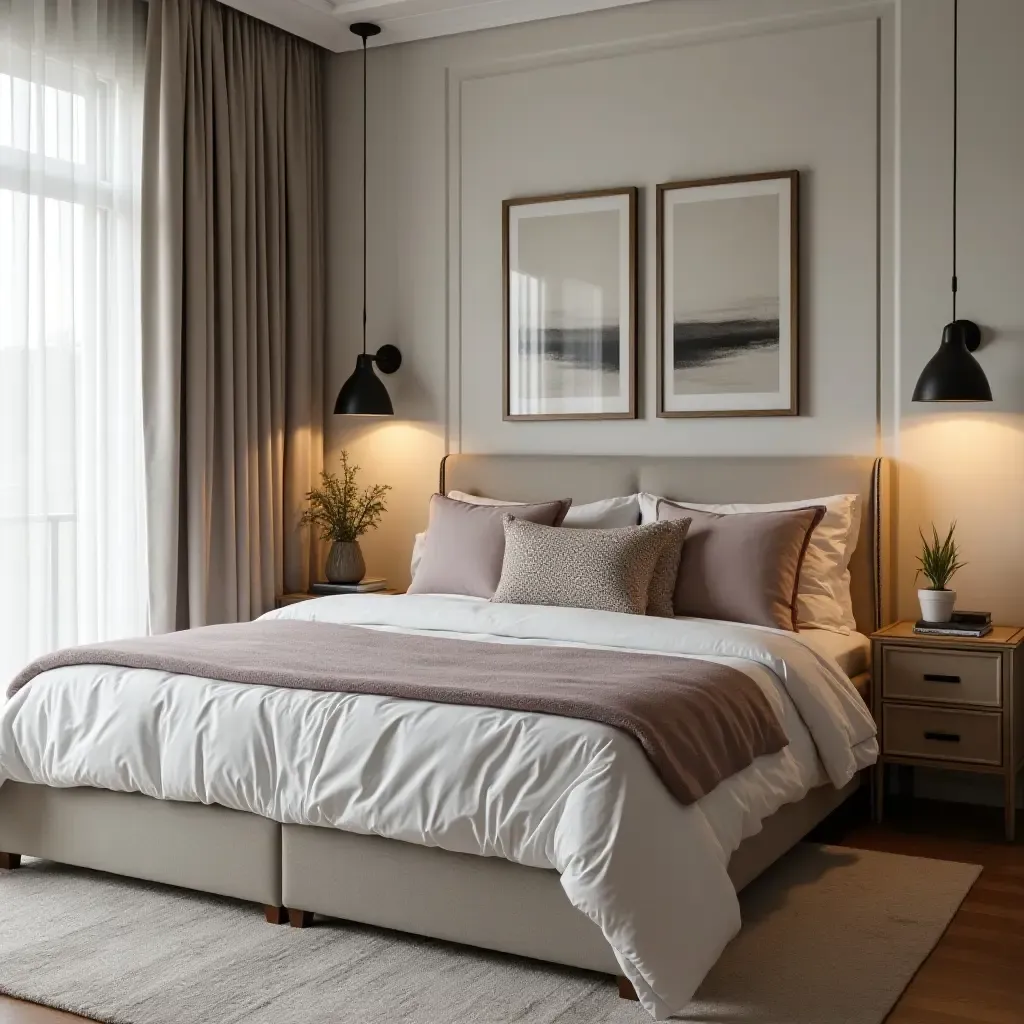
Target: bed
(211, 801)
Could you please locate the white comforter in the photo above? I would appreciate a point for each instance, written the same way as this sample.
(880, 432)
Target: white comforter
(544, 791)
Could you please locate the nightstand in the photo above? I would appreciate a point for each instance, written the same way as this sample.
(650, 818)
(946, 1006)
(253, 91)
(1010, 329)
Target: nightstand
(286, 599)
(950, 702)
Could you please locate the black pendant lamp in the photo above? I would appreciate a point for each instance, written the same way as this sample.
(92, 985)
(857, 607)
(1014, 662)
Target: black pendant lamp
(953, 374)
(364, 394)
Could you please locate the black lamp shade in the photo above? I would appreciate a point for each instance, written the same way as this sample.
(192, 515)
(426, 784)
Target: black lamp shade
(364, 394)
(953, 374)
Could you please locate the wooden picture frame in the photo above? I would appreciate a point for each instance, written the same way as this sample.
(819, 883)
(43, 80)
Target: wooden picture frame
(569, 298)
(731, 336)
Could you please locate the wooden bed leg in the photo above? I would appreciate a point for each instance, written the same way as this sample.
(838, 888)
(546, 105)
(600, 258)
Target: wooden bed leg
(300, 918)
(10, 861)
(275, 915)
(626, 990)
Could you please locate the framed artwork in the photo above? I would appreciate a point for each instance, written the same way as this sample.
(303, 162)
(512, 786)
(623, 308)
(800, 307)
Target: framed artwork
(570, 291)
(727, 296)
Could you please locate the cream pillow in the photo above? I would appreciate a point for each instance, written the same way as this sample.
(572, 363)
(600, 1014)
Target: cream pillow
(823, 593)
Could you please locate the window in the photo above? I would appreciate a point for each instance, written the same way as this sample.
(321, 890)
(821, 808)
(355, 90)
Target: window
(72, 537)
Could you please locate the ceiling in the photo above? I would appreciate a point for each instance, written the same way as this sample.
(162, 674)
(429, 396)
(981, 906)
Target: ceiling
(326, 21)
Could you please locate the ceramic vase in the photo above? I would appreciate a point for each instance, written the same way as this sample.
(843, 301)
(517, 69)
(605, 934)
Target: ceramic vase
(345, 562)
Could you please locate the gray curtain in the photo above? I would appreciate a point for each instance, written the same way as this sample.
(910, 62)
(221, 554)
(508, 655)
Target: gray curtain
(232, 307)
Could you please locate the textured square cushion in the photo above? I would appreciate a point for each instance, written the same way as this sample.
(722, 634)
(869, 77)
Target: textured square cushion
(823, 594)
(742, 567)
(464, 544)
(610, 570)
(661, 595)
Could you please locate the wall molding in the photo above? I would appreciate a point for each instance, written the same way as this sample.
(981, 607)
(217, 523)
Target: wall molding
(776, 24)
(882, 12)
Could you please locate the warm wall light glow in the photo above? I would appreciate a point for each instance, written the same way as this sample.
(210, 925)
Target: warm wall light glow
(407, 456)
(958, 433)
(967, 466)
(389, 447)
(403, 439)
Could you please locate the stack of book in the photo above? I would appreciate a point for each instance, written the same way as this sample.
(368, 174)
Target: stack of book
(369, 585)
(973, 624)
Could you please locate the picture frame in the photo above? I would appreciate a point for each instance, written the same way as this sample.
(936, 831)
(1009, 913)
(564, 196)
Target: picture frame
(569, 295)
(728, 296)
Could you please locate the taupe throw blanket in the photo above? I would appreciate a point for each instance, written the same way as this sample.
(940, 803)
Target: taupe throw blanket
(697, 721)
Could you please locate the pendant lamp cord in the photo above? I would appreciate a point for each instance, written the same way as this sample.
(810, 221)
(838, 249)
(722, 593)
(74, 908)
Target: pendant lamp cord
(956, 109)
(364, 195)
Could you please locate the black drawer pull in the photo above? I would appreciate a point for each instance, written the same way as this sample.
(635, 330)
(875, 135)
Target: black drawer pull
(932, 677)
(943, 737)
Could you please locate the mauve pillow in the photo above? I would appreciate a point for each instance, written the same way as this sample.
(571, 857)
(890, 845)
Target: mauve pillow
(744, 566)
(823, 593)
(592, 515)
(465, 544)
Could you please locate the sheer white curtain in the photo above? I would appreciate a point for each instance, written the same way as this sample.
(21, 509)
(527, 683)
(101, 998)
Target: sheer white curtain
(72, 527)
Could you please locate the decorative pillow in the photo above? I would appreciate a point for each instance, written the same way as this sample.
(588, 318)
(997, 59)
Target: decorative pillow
(742, 567)
(593, 515)
(662, 591)
(823, 595)
(465, 544)
(610, 570)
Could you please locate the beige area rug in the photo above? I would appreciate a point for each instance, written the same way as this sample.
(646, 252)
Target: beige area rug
(831, 936)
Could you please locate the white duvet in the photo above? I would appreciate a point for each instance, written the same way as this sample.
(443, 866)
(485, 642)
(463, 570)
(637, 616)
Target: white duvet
(540, 790)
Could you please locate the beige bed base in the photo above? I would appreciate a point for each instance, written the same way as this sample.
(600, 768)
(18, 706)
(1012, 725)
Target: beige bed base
(486, 902)
(479, 901)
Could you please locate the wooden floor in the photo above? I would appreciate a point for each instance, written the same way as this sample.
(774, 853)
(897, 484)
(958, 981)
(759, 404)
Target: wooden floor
(976, 973)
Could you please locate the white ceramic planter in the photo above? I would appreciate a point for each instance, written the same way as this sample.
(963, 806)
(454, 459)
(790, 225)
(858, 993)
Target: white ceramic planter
(936, 605)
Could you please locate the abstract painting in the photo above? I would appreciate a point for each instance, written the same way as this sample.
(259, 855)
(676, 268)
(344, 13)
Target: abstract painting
(569, 268)
(727, 296)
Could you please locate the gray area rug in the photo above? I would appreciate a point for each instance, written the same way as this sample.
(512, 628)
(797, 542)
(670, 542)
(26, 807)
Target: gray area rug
(830, 935)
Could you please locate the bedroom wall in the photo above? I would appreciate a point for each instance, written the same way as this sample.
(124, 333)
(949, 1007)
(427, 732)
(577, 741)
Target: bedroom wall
(857, 97)
(964, 464)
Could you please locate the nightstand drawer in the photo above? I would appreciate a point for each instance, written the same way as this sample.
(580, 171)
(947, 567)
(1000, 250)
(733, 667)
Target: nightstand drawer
(974, 737)
(945, 677)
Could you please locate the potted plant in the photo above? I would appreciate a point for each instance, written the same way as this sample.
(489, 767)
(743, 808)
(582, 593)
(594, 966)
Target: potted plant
(939, 562)
(343, 514)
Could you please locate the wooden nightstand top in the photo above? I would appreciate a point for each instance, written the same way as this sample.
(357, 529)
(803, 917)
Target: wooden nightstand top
(903, 632)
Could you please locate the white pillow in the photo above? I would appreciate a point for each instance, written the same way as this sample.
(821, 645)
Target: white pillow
(823, 593)
(595, 515)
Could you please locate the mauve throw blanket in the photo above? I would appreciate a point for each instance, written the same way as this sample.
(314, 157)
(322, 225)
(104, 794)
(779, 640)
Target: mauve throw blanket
(698, 722)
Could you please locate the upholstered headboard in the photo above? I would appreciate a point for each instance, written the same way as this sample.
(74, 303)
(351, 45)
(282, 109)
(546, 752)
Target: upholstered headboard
(710, 480)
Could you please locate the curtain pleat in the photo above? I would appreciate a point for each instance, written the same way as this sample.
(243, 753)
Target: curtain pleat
(233, 323)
